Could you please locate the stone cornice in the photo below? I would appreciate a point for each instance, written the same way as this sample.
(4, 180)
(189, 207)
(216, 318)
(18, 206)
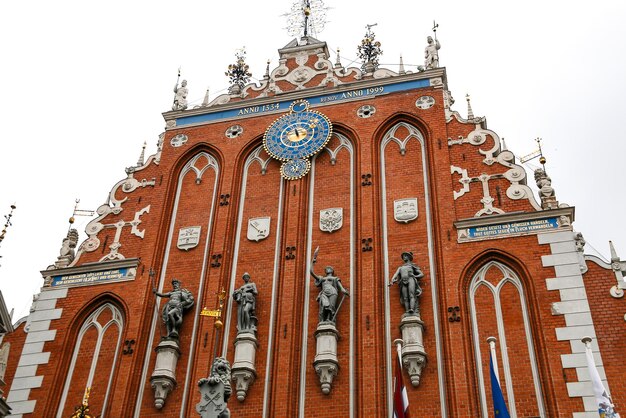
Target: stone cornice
(437, 73)
(91, 267)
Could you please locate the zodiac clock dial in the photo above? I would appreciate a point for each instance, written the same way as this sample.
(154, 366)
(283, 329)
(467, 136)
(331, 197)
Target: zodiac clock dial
(296, 136)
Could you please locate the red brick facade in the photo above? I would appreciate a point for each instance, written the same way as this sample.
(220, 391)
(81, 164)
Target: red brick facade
(400, 151)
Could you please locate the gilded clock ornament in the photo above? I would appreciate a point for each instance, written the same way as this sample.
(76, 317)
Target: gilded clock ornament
(296, 136)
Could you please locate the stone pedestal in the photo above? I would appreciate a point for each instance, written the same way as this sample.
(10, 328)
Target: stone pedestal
(163, 379)
(243, 371)
(325, 363)
(413, 353)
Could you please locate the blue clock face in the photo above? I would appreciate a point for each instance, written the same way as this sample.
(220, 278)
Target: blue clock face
(298, 134)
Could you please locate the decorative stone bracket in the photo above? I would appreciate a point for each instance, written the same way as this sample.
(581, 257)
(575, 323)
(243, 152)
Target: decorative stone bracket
(413, 355)
(163, 379)
(243, 371)
(326, 364)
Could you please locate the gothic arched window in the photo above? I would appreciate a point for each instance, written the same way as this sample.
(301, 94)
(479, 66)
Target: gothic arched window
(93, 361)
(499, 309)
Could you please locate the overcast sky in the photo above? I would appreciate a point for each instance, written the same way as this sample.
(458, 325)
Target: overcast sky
(84, 85)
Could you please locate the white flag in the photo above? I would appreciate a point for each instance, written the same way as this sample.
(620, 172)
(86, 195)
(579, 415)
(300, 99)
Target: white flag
(602, 397)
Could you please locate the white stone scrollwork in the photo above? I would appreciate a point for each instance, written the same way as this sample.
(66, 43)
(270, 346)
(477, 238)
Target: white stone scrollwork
(464, 180)
(515, 174)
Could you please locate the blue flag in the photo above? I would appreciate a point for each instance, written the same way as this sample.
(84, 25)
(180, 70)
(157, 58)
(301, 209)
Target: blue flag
(499, 407)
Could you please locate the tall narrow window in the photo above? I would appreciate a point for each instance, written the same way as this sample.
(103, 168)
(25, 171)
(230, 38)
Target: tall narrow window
(498, 308)
(97, 347)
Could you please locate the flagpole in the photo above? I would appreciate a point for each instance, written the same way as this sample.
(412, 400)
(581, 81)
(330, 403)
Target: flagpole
(399, 342)
(492, 347)
(603, 399)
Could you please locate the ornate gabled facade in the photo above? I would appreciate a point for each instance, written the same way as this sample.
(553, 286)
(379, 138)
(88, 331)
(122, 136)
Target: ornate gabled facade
(360, 210)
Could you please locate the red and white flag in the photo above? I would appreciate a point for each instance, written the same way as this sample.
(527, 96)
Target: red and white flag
(400, 397)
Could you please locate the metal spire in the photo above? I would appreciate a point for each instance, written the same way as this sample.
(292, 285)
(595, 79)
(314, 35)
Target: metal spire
(140, 161)
(470, 112)
(205, 102)
(401, 70)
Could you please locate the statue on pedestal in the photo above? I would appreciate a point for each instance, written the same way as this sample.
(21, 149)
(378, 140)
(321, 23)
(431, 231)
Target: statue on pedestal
(245, 296)
(180, 300)
(180, 98)
(408, 277)
(330, 286)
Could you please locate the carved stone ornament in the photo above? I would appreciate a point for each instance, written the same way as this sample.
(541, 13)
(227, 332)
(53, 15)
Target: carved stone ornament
(258, 228)
(413, 354)
(425, 102)
(331, 219)
(215, 391)
(326, 364)
(234, 131)
(163, 379)
(179, 140)
(405, 210)
(188, 237)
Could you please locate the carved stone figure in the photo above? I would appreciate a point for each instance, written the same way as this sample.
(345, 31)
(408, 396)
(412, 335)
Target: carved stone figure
(67, 253)
(408, 277)
(180, 99)
(580, 242)
(215, 391)
(546, 192)
(245, 296)
(180, 300)
(330, 286)
(4, 359)
(431, 53)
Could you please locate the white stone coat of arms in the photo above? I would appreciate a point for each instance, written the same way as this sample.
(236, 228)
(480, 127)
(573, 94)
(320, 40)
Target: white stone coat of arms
(188, 237)
(331, 219)
(258, 228)
(405, 210)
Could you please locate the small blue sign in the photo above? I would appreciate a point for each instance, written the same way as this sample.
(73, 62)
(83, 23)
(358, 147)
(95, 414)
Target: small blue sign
(521, 227)
(315, 100)
(92, 277)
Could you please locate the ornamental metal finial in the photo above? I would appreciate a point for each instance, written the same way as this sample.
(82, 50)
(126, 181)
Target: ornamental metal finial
(7, 224)
(238, 72)
(369, 50)
(306, 18)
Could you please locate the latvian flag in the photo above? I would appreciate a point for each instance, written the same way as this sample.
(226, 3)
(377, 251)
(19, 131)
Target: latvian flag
(400, 397)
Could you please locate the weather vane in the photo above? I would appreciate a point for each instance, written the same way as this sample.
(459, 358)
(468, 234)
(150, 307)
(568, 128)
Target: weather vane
(306, 17)
(79, 212)
(535, 154)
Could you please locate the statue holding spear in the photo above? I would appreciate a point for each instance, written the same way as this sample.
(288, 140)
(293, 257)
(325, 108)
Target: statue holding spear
(330, 286)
